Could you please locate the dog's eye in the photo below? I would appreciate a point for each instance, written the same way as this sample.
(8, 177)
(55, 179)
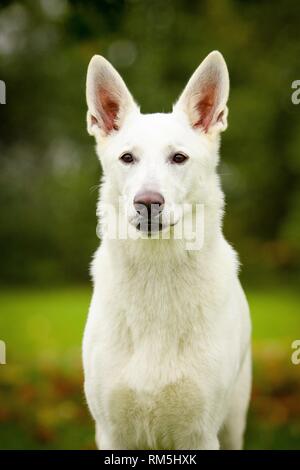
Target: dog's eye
(178, 158)
(127, 158)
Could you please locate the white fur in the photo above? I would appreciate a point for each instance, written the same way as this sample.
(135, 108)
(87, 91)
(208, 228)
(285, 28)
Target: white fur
(166, 348)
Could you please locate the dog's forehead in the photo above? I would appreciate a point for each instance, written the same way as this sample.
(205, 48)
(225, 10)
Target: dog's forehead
(157, 129)
(158, 123)
(156, 134)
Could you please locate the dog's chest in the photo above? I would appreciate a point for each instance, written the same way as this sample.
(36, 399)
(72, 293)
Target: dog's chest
(151, 377)
(144, 420)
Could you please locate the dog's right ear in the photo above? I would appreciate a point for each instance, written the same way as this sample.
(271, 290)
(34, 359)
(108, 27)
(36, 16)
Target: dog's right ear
(108, 98)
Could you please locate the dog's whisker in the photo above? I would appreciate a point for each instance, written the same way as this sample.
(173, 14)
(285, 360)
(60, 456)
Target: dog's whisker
(95, 187)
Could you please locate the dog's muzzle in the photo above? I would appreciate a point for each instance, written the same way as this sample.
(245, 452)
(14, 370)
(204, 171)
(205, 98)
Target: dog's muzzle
(149, 206)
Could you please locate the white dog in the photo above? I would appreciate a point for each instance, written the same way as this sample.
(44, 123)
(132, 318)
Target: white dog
(166, 347)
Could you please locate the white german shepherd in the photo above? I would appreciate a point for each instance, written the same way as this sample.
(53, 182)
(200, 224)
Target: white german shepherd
(166, 348)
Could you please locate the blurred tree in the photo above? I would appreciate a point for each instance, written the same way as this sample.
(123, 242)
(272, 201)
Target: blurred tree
(47, 162)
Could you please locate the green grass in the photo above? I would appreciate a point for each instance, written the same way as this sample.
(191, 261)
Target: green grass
(275, 314)
(45, 322)
(38, 323)
(41, 396)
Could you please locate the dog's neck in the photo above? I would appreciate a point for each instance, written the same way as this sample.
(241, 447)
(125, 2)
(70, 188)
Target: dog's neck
(157, 270)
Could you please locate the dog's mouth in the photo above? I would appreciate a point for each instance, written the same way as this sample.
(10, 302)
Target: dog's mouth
(149, 226)
(152, 226)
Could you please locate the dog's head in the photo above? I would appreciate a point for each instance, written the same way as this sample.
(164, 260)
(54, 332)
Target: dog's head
(158, 162)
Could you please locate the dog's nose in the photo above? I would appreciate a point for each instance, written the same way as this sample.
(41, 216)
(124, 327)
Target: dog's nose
(151, 200)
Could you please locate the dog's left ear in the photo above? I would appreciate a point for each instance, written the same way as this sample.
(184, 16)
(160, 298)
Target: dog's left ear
(205, 96)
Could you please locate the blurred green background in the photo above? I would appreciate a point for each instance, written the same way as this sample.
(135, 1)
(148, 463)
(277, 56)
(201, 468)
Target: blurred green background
(49, 178)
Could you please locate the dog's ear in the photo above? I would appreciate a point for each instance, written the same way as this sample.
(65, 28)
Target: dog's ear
(205, 96)
(108, 98)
